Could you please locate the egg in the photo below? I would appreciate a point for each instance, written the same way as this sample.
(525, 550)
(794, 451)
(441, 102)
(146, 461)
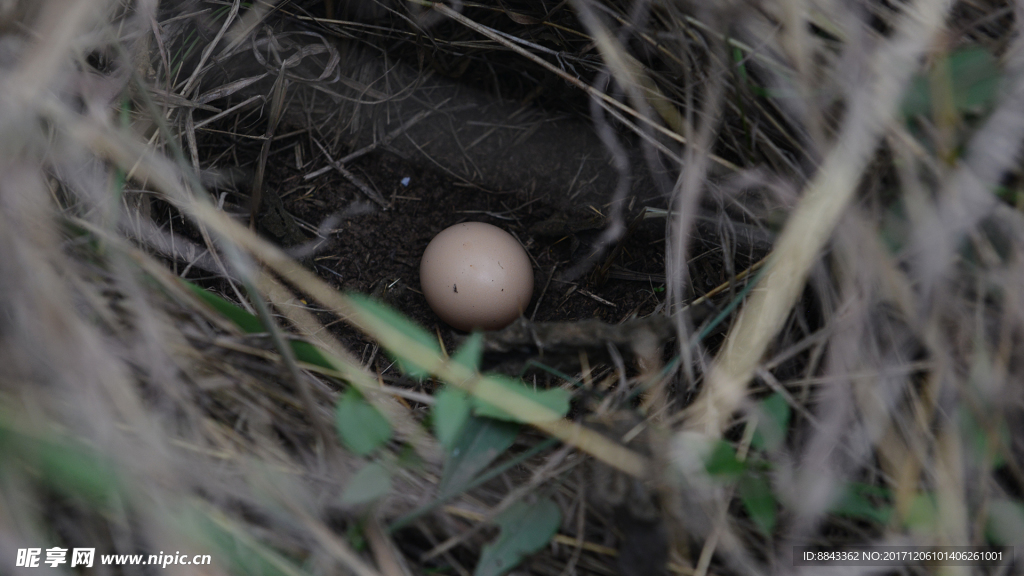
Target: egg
(476, 276)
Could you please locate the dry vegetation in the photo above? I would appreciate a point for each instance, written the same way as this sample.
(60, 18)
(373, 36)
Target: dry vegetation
(779, 255)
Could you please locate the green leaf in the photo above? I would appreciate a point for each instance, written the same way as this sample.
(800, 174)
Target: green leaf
(771, 432)
(478, 444)
(722, 461)
(65, 464)
(407, 458)
(233, 546)
(356, 535)
(248, 323)
(373, 481)
(924, 513)
(894, 228)
(310, 354)
(77, 471)
(360, 426)
(858, 502)
(450, 413)
(980, 440)
(549, 369)
(974, 79)
(1005, 525)
(918, 99)
(756, 495)
(375, 312)
(251, 324)
(554, 399)
(471, 352)
(525, 529)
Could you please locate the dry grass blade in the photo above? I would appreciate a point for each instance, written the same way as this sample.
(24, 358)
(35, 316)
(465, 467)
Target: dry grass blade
(247, 23)
(629, 72)
(185, 367)
(349, 369)
(60, 27)
(611, 105)
(160, 175)
(966, 196)
(276, 108)
(571, 433)
(587, 440)
(811, 224)
(232, 15)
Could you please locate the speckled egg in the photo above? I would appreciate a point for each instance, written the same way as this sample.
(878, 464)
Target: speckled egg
(476, 276)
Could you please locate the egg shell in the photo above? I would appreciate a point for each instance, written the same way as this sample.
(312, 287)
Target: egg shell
(476, 276)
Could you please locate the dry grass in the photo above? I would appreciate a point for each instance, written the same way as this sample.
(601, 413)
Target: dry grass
(860, 384)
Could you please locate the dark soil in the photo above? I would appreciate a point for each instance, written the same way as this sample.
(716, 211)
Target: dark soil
(512, 159)
(378, 251)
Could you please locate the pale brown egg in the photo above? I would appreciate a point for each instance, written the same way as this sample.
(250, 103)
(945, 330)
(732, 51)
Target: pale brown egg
(476, 276)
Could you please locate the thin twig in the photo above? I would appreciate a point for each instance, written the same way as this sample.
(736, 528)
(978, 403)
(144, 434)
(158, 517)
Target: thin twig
(355, 180)
(371, 147)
